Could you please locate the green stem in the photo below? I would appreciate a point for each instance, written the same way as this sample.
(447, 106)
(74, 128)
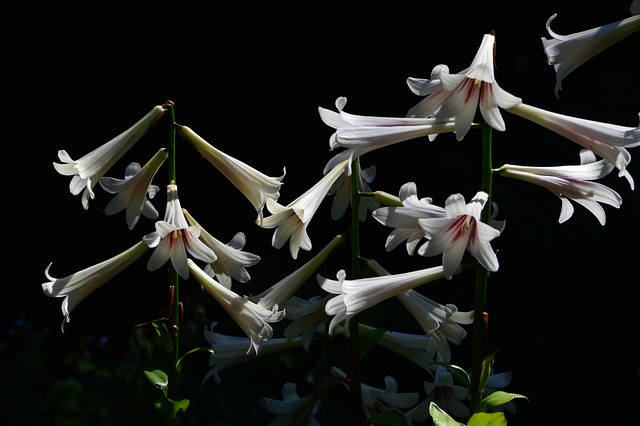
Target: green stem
(480, 332)
(355, 379)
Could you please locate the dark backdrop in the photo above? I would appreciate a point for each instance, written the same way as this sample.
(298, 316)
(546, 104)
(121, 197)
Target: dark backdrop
(249, 78)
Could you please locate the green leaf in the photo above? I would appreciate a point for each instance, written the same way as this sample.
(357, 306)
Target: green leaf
(388, 418)
(165, 337)
(170, 408)
(456, 371)
(368, 339)
(498, 398)
(440, 417)
(179, 363)
(487, 419)
(487, 364)
(159, 379)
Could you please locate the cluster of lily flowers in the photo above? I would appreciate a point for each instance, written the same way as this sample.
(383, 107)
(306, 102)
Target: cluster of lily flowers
(449, 106)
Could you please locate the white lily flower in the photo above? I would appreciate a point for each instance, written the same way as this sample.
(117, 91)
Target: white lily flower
(608, 141)
(410, 346)
(343, 190)
(173, 237)
(458, 95)
(572, 183)
(254, 185)
(460, 230)
(280, 292)
(568, 52)
(232, 350)
(251, 318)
(292, 410)
(362, 134)
(230, 261)
(447, 395)
(404, 219)
(441, 323)
(132, 190)
(88, 170)
(76, 287)
(377, 401)
(355, 296)
(307, 318)
(292, 220)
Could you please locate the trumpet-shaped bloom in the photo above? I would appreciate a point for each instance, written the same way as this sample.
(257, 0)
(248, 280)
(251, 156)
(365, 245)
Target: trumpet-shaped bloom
(572, 183)
(251, 318)
(75, 287)
(292, 220)
(444, 393)
(568, 52)
(292, 410)
(173, 237)
(404, 219)
(343, 190)
(458, 95)
(377, 401)
(254, 185)
(230, 261)
(232, 350)
(280, 292)
(88, 170)
(307, 318)
(355, 296)
(440, 323)
(608, 141)
(460, 230)
(410, 346)
(362, 134)
(132, 190)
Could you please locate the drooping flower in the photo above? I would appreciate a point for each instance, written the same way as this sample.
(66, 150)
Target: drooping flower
(76, 287)
(410, 346)
(404, 219)
(362, 134)
(131, 192)
(280, 292)
(357, 295)
(293, 410)
(307, 318)
(88, 170)
(460, 230)
(608, 141)
(251, 318)
(230, 262)
(343, 189)
(568, 52)
(173, 237)
(291, 221)
(377, 401)
(444, 393)
(232, 350)
(458, 95)
(572, 183)
(254, 185)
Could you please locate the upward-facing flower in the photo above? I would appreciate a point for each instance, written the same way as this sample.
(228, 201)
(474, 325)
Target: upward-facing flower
(254, 185)
(251, 318)
(362, 134)
(75, 287)
(608, 141)
(230, 261)
(292, 220)
(460, 230)
(131, 192)
(458, 95)
(173, 237)
(404, 219)
(88, 170)
(568, 52)
(572, 183)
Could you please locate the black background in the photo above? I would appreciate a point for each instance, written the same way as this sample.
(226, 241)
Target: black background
(249, 77)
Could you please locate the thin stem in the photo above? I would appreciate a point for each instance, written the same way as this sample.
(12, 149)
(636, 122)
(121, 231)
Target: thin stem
(480, 324)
